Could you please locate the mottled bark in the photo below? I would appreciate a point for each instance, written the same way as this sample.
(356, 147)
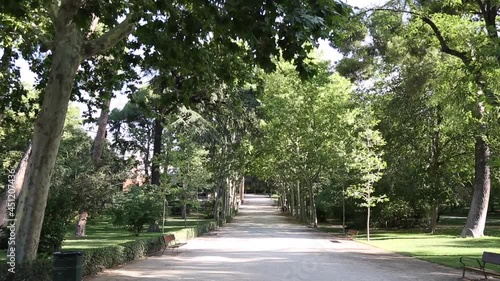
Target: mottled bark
(67, 55)
(184, 211)
(476, 219)
(100, 138)
(48, 130)
(242, 190)
(18, 184)
(303, 214)
(368, 214)
(314, 217)
(81, 224)
(225, 201)
(217, 197)
(434, 217)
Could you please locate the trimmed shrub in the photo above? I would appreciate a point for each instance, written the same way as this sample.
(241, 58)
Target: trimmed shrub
(96, 260)
(99, 259)
(39, 270)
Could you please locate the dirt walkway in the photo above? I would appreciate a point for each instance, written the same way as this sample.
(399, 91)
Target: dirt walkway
(263, 245)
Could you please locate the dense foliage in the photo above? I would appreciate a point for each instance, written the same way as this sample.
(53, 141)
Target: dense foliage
(137, 207)
(400, 130)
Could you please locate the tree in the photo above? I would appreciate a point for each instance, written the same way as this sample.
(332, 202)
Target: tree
(433, 35)
(305, 129)
(137, 207)
(189, 174)
(132, 129)
(69, 49)
(367, 162)
(450, 23)
(77, 184)
(73, 41)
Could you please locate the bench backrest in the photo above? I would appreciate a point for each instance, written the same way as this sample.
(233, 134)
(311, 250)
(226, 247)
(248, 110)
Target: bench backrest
(489, 257)
(169, 238)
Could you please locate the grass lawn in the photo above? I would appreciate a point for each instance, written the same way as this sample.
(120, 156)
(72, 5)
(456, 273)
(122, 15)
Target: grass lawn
(445, 247)
(439, 248)
(102, 233)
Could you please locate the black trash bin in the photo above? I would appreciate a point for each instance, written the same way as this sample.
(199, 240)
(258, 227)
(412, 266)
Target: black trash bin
(68, 266)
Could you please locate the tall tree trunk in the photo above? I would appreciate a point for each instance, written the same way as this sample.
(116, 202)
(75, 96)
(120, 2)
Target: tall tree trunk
(155, 165)
(216, 204)
(368, 213)
(436, 169)
(476, 219)
(67, 55)
(100, 137)
(97, 149)
(314, 217)
(303, 214)
(234, 197)
(343, 209)
(434, 216)
(230, 197)
(157, 145)
(18, 185)
(298, 203)
(47, 135)
(289, 200)
(184, 211)
(242, 190)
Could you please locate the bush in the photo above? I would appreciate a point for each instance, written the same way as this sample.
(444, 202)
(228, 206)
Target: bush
(207, 209)
(137, 207)
(77, 185)
(400, 214)
(39, 270)
(96, 260)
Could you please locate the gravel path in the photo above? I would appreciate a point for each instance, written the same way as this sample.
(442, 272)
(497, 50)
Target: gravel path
(263, 245)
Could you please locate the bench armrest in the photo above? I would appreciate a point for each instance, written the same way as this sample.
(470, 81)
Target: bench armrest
(463, 260)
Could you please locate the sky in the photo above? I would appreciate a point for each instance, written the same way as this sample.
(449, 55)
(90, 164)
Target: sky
(326, 52)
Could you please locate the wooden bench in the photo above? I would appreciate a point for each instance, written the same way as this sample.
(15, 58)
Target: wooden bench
(488, 258)
(352, 233)
(170, 242)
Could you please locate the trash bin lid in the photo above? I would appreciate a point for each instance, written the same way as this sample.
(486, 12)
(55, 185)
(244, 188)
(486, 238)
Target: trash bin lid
(68, 253)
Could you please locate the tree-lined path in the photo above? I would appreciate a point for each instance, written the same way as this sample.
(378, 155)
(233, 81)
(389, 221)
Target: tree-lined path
(262, 244)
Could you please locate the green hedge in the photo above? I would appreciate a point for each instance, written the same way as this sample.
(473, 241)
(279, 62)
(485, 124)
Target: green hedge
(96, 260)
(39, 270)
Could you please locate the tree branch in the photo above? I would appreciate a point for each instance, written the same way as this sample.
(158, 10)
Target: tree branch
(444, 46)
(109, 39)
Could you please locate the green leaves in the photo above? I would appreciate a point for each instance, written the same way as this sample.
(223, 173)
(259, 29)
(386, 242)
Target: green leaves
(140, 206)
(367, 164)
